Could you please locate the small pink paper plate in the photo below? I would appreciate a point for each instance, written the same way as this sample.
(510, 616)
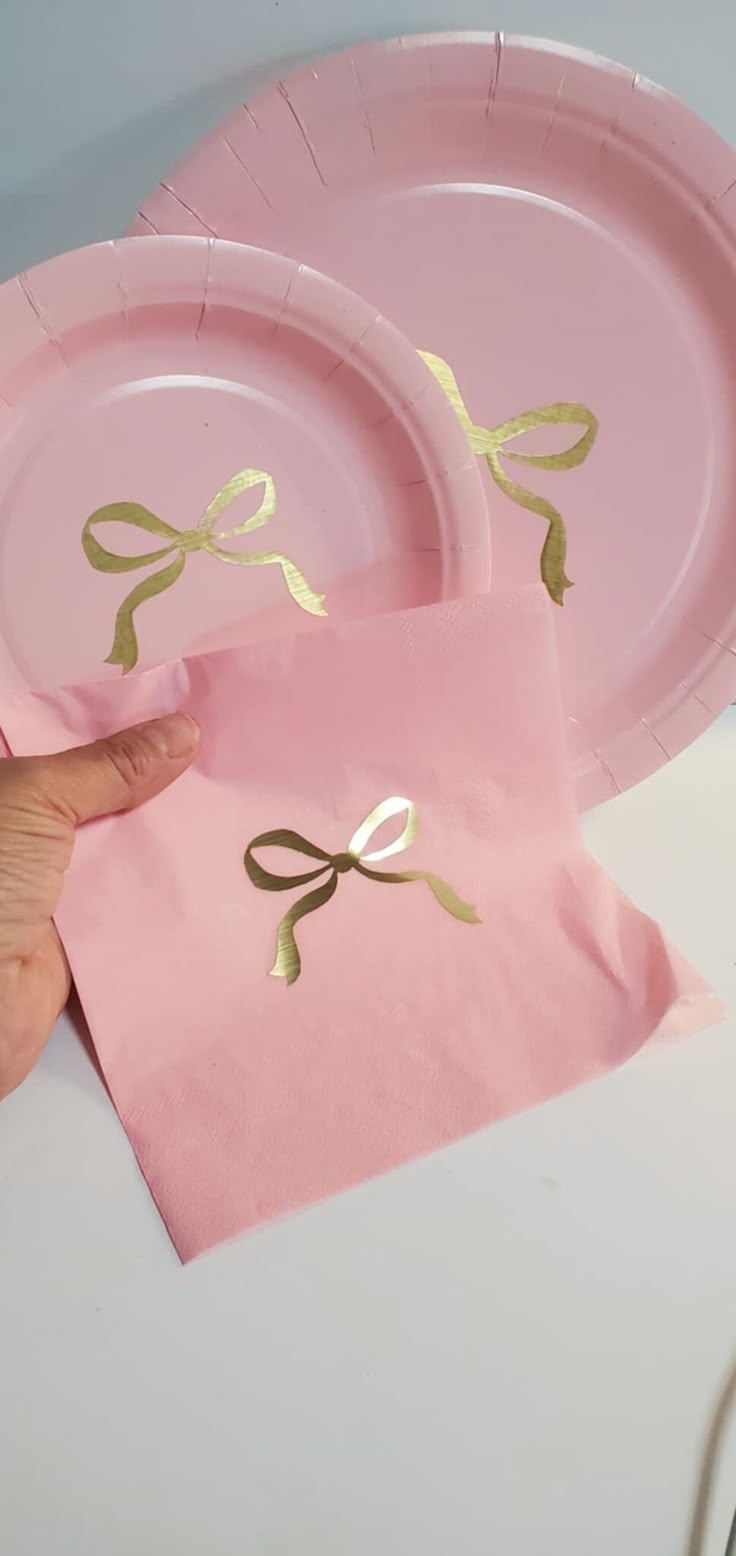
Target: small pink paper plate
(167, 408)
(561, 234)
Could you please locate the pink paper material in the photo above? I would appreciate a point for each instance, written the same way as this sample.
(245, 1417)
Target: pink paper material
(245, 1098)
(555, 227)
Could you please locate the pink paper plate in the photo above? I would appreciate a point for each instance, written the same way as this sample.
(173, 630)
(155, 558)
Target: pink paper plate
(555, 229)
(169, 407)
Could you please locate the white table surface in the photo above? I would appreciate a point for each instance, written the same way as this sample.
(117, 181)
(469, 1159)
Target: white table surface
(515, 1346)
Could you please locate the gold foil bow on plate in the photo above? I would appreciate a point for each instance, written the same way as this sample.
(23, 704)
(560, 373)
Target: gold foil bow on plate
(180, 545)
(492, 441)
(288, 961)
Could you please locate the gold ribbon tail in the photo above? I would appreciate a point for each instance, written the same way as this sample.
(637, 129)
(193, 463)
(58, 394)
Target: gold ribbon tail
(124, 650)
(298, 587)
(296, 583)
(491, 443)
(446, 897)
(554, 551)
(288, 963)
(562, 414)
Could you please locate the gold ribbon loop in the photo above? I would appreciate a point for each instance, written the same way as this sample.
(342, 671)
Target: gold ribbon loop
(491, 442)
(180, 544)
(288, 961)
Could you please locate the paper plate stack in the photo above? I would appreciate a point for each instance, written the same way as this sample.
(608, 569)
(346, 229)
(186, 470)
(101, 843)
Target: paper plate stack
(554, 236)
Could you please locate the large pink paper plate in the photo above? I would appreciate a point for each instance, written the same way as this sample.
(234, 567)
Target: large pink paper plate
(202, 443)
(560, 235)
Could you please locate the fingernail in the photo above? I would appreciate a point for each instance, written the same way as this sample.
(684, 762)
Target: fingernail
(175, 735)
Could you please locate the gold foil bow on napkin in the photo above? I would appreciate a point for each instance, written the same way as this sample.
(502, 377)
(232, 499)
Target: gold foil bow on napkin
(492, 441)
(180, 545)
(288, 961)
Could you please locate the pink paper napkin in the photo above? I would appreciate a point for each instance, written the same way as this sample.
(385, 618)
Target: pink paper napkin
(408, 1023)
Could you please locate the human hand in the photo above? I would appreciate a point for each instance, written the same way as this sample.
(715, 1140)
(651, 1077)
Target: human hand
(42, 800)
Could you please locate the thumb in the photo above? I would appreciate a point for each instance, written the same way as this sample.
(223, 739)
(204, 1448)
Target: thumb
(118, 772)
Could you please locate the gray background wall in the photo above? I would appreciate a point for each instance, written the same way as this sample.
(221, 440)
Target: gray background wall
(97, 100)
